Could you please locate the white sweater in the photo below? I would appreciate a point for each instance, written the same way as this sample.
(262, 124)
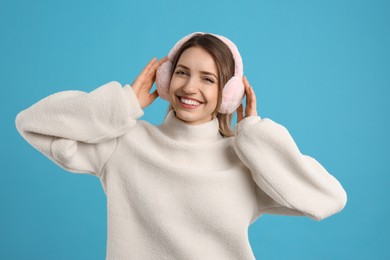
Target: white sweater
(178, 191)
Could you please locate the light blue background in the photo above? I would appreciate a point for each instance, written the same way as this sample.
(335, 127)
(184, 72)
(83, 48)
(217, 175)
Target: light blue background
(320, 68)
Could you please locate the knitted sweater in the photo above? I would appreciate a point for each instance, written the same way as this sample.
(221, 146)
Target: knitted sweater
(178, 191)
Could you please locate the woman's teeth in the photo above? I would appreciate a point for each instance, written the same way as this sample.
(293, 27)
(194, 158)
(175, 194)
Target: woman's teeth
(189, 101)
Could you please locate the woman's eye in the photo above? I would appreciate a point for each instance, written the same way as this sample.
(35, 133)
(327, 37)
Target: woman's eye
(179, 72)
(209, 80)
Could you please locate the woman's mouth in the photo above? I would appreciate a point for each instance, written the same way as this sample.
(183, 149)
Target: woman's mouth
(189, 103)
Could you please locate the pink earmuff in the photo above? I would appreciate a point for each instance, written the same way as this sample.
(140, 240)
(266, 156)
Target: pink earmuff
(233, 91)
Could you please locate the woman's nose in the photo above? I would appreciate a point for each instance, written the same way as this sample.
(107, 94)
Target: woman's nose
(190, 86)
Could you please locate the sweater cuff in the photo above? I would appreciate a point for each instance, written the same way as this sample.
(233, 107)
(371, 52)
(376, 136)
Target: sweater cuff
(247, 121)
(136, 110)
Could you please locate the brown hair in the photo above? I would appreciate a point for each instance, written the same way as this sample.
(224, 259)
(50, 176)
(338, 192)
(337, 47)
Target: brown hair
(225, 65)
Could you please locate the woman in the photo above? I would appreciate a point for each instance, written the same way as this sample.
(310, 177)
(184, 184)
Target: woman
(190, 187)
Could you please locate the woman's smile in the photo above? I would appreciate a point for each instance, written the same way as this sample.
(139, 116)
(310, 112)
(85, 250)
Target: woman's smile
(189, 103)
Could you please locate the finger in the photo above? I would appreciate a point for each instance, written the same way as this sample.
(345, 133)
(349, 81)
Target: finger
(153, 70)
(147, 76)
(158, 64)
(240, 111)
(245, 81)
(247, 85)
(148, 67)
(253, 99)
(251, 102)
(151, 77)
(149, 99)
(163, 60)
(247, 91)
(141, 77)
(251, 107)
(154, 95)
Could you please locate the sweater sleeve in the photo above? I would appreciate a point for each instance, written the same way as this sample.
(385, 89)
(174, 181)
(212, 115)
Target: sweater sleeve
(77, 130)
(288, 182)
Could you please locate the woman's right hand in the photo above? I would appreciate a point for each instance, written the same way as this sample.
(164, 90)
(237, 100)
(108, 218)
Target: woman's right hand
(144, 82)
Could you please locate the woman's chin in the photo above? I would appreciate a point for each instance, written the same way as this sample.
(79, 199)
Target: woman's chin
(186, 116)
(190, 117)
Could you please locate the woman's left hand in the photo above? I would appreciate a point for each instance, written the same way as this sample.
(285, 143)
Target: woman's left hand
(250, 107)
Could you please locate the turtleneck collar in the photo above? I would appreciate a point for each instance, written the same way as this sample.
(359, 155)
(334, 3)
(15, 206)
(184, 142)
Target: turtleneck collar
(178, 130)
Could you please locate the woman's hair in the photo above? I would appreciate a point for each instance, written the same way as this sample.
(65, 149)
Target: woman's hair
(225, 64)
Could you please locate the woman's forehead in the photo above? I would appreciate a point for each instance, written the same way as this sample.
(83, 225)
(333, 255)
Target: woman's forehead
(196, 58)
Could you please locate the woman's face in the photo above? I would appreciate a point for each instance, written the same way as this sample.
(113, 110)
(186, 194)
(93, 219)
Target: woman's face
(193, 90)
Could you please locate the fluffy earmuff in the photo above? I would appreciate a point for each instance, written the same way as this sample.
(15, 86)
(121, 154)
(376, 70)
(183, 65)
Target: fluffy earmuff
(233, 91)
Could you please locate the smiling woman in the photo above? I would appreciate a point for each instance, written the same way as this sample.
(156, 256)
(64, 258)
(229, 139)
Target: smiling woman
(209, 60)
(194, 95)
(190, 187)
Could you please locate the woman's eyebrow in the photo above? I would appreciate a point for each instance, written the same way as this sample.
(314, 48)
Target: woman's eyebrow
(203, 72)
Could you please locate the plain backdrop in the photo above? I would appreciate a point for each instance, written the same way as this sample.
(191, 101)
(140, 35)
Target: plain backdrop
(320, 68)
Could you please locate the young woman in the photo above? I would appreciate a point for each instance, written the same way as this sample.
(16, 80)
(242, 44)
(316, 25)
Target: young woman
(190, 187)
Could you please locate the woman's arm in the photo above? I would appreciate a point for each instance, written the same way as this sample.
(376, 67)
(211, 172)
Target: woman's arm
(78, 130)
(294, 181)
(289, 182)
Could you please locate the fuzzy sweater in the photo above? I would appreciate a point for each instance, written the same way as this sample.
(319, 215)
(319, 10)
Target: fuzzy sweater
(178, 191)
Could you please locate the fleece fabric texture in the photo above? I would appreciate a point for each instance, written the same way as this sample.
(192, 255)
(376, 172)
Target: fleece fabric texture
(178, 191)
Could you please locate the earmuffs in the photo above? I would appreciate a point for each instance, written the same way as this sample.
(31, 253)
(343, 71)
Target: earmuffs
(233, 91)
